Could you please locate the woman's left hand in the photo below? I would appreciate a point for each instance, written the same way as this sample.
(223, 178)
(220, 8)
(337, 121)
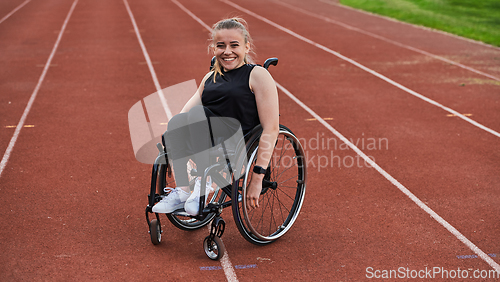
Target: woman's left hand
(253, 191)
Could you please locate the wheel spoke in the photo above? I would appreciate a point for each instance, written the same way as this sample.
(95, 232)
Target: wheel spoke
(291, 177)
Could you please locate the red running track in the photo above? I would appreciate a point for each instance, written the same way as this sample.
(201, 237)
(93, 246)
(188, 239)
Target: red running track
(72, 195)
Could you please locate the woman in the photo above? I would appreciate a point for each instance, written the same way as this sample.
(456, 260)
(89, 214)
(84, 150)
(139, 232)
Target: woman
(234, 89)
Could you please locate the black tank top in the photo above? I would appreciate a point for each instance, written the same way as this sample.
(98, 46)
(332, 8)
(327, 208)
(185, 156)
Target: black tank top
(230, 96)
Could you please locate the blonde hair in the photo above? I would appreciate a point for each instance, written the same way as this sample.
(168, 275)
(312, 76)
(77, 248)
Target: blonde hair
(231, 23)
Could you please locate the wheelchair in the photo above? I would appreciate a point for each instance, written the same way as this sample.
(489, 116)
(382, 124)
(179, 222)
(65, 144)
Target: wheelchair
(283, 190)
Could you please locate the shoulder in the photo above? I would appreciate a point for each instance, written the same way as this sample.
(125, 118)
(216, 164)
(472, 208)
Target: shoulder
(206, 77)
(261, 79)
(259, 72)
(260, 75)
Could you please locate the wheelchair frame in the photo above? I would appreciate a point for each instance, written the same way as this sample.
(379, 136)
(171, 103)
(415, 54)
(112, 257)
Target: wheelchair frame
(251, 224)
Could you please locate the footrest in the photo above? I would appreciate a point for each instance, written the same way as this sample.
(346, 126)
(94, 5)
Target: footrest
(181, 212)
(213, 207)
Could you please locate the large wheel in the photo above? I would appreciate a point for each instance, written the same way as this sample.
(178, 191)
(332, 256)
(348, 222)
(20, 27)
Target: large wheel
(283, 190)
(185, 222)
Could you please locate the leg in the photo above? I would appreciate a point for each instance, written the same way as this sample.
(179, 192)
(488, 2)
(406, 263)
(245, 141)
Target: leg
(201, 140)
(201, 143)
(178, 151)
(187, 137)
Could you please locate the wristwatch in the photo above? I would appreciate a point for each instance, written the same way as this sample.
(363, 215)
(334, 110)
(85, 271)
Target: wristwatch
(259, 170)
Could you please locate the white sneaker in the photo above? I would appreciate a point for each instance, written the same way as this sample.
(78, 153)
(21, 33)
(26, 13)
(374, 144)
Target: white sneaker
(173, 201)
(192, 205)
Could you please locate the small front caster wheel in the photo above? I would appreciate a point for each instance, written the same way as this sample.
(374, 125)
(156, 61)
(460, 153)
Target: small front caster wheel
(155, 232)
(214, 248)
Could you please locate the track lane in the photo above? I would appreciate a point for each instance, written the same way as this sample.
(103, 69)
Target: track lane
(27, 41)
(463, 50)
(330, 20)
(8, 9)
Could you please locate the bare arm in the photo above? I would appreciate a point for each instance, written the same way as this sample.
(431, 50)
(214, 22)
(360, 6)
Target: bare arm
(266, 96)
(196, 98)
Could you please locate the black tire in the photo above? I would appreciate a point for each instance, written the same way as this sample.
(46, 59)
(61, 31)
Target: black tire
(165, 179)
(155, 232)
(214, 248)
(281, 201)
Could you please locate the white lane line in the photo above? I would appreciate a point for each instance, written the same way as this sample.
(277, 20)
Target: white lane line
(20, 125)
(225, 262)
(228, 268)
(324, 48)
(149, 63)
(13, 11)
(396, 183)
(192, 15)
(385, 39)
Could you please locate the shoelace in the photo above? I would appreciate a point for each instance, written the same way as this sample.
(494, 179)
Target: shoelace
(168, 191)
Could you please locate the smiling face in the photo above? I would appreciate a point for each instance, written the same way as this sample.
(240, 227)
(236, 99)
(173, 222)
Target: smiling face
(230, 48)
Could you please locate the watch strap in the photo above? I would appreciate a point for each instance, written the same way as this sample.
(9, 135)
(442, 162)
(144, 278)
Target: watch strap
(259, 170)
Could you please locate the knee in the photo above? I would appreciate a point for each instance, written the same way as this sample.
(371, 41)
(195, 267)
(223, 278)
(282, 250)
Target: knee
(196, 114)
(177, 121)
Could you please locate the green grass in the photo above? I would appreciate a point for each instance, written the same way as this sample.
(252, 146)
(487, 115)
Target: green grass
(475, 19)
